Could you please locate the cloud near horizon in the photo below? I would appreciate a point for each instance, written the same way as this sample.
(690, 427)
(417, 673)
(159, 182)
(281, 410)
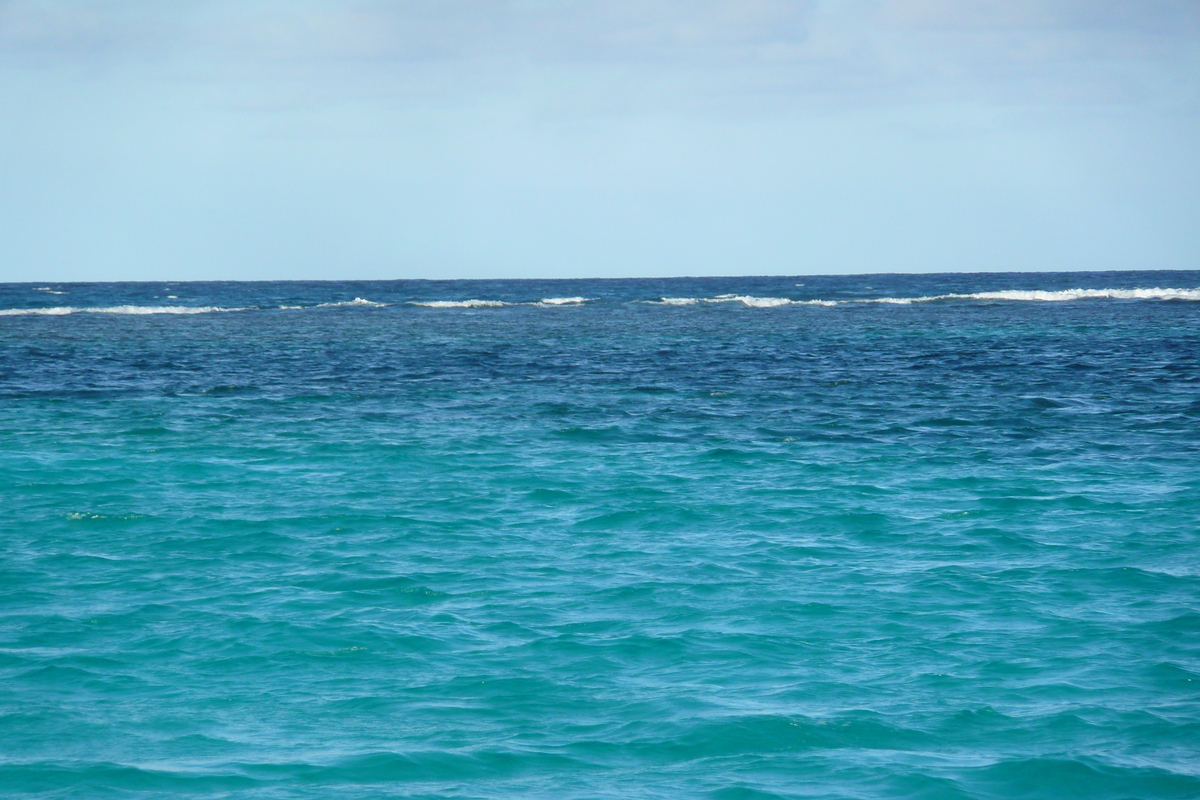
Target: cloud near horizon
(792, 105)
(852, 50)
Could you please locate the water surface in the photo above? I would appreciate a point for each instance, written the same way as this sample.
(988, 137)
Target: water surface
(853, 537)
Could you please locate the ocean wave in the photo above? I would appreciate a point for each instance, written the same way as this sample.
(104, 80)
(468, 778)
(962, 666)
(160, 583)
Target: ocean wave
(545, 302)
(1039, 296)
(750, 300)
(1016, 295)
(59, 311)
(356, 302)
(745, 299)
(459, 303)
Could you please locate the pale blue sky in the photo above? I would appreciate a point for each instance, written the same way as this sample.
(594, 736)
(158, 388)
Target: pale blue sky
(262, 139)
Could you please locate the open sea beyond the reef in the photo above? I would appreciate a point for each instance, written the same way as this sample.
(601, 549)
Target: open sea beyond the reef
(877, 536)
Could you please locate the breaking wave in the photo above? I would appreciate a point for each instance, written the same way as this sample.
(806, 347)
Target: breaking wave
(59, 311)
(1012, 295)
(545, 302)
(744, 299)
(750, 301)
(459, 303)
(1051, 296)
(356, 302)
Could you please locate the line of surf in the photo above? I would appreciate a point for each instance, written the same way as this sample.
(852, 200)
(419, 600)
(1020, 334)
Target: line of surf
(1043, 296)
(1005, 295)
(752, 301)
(61, 311)
(745, 299)
(357, 302)
(545, 302)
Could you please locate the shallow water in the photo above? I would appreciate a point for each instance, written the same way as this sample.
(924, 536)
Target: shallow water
(857, 537)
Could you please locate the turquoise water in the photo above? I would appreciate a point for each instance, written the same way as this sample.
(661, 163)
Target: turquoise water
(858, 537)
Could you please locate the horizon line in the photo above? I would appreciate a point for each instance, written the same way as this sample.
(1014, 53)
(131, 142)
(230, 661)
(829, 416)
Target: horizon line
(606, 278)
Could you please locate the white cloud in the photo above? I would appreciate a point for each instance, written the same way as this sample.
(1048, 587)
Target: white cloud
(788, 52)
(1174, 17)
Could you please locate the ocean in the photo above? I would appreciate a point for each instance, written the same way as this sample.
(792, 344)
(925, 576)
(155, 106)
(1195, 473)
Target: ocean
(878, 536)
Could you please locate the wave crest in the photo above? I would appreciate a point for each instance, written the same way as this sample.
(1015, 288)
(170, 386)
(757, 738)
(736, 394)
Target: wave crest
(59, 311)
(745, 299)
(545, 302)
(358, 301)
(459, 303)
(1040, 296)
(1013, 295)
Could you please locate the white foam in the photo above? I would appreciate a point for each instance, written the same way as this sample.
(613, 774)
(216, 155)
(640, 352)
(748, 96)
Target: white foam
(545, 302)
(673, 301)
(744, 299)
(1038, 296)
(754, 302)
(460, 303)
(765, 302)
(1016, 295)
(59, 311)
(21, 312)
(358, 301)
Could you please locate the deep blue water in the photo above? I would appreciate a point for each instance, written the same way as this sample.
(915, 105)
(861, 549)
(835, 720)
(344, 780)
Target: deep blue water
(735, 545)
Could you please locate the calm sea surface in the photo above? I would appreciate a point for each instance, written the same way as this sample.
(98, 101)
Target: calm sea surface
(853, 537)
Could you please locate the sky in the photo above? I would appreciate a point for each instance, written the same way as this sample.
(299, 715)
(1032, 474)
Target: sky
(331, 139)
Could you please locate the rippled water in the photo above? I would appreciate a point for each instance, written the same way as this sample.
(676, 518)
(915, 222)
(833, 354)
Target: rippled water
(879, 536)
